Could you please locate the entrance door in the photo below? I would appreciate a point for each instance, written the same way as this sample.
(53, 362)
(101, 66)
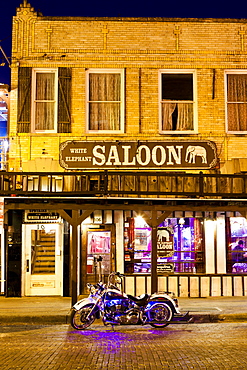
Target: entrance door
(42, 264)
(100, 253)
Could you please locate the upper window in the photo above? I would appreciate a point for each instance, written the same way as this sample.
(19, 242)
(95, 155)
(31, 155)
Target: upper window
(44, 102)
(177, 101)
(236, 101)
(105, 100)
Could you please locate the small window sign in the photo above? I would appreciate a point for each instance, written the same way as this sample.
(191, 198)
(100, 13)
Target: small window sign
(165, 267)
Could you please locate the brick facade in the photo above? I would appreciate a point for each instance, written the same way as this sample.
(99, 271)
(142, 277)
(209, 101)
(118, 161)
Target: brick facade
(142, 47)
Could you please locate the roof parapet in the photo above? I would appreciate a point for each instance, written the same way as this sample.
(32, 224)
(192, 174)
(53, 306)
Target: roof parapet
(26, 8)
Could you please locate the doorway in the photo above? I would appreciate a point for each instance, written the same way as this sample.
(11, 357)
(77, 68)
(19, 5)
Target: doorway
(42, 260)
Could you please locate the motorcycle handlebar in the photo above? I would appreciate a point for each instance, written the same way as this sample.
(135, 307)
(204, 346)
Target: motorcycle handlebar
(119, 274)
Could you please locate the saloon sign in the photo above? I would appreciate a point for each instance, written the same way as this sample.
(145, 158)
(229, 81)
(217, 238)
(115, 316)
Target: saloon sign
(137, 154)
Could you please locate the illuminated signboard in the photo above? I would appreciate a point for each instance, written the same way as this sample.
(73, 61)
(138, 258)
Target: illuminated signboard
(138, 154)
(43, 216)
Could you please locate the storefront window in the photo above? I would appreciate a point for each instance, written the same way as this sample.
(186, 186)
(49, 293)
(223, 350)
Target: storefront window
(237, 244)
(188, 250)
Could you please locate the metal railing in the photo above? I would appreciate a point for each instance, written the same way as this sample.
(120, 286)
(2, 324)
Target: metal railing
(123, 184)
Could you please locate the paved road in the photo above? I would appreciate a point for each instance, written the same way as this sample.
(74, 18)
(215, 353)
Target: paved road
(194, 346)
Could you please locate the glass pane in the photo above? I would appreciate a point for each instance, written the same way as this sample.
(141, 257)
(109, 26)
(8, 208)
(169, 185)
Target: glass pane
(45, 86)
(44, 116)
(237, 88)
(177, 86)
(177, 116)
(237, 247)
(104, 87)
(237, 116)
(104, 116)
(188, 253)
(98, 250)
(43, 252)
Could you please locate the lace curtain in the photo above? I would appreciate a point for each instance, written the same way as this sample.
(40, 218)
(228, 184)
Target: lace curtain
(237, 102)
(104, 101)
(45, 101)
(182, 120)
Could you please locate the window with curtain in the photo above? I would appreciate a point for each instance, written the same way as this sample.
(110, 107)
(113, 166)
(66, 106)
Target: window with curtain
(105, 100)
(177, 102)
(44, 101)
(237, 102)
(36, 88)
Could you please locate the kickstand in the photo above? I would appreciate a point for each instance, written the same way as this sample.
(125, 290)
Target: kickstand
(112, 326)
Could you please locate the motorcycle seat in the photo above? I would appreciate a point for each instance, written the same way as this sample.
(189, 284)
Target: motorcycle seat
(140, 300)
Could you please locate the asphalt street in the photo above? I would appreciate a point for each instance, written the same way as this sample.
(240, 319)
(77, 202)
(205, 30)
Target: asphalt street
(58, 347)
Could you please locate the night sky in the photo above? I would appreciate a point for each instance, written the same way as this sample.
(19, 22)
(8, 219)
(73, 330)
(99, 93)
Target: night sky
(114, 8)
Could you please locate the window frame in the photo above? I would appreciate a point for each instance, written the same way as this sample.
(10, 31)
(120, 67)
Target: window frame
(231, 72)
(195, 117)
(35, 71)
(122, 102)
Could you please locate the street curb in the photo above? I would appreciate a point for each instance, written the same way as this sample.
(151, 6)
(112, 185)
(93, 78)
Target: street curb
(65, 319)
(35, 320)
(209, 318)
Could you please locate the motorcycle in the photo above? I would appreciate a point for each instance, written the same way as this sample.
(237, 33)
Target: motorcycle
(115, 307)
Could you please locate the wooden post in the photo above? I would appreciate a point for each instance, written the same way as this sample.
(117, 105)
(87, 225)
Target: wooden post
(154, 277)
(74, 221)
(74, 258)
(154, 222)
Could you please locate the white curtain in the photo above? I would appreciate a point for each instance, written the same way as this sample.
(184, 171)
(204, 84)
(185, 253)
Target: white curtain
(184, 119)
(104, 101)
(237, 102)
(167, 111)
(45, 101)
(185, 116)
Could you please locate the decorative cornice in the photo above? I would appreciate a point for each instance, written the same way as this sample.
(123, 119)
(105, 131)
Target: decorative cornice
(25, 9)
(26, 21)
(94, 64)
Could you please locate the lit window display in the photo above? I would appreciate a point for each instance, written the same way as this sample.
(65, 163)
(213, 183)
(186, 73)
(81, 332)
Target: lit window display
(186, 254)
(98, 249)
(237, 244)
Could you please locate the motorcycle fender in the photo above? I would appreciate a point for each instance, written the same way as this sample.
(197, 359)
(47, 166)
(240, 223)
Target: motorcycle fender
(166, 299)
(83, 302)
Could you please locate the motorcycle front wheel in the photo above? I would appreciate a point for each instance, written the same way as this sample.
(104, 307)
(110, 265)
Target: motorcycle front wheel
(160, 314)
(79, 319)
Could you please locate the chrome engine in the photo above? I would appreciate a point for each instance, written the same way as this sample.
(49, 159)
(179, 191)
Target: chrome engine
(121, 312)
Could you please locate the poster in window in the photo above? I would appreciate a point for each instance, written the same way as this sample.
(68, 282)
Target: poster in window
(165, 241)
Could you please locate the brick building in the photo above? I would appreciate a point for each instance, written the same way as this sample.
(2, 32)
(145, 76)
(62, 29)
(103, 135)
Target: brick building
(127, 142)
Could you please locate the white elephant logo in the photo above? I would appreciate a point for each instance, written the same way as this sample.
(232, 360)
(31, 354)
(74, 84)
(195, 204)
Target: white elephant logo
(165, 242)
(163, 235)
(193, 151)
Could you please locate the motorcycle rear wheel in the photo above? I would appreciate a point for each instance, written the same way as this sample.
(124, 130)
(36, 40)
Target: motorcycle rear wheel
(161, 313)
(79, 320)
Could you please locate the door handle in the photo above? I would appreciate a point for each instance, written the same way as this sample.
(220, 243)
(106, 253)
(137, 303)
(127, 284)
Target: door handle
(27, 268)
